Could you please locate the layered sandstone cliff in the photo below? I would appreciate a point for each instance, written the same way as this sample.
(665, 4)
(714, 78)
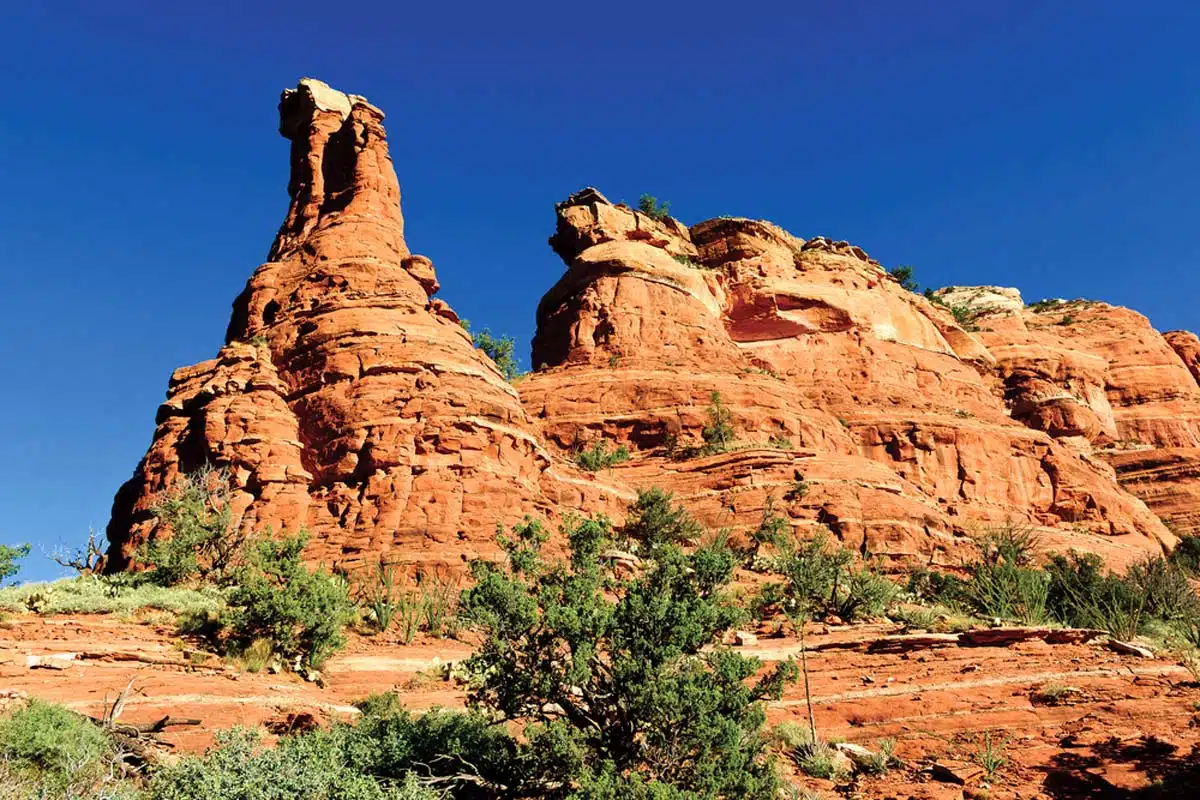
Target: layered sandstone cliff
(348, 401)
(888, 410)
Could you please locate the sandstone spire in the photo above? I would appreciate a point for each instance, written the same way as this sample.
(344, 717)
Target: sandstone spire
(344, 400)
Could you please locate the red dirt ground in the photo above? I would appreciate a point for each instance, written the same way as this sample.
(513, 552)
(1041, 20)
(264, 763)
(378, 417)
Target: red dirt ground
(1130, 727)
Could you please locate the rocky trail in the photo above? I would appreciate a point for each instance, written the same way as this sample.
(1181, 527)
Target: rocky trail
(1065, 720)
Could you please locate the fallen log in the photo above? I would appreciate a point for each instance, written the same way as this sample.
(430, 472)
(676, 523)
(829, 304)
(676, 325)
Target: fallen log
(142, 658)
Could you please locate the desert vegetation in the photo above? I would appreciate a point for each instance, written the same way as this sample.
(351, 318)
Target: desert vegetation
(599, 455)
(650, 205)
(600, 673)
(500, 349)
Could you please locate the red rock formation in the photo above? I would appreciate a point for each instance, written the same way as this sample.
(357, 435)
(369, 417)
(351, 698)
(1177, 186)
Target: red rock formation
(1100, 379)
(885, 406)
(1187, 346)
(348, 401)
(361, 410)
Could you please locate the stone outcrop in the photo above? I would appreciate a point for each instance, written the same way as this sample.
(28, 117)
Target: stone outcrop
(345, 400)
(350, 401)
(1187, 346)
(988, 299)
(885, 407)
(1100, 379)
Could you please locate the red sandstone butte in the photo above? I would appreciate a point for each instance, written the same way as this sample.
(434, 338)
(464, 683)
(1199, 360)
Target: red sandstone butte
(348, 401)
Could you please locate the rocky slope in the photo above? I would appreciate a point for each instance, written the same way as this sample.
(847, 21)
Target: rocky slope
(349, 401)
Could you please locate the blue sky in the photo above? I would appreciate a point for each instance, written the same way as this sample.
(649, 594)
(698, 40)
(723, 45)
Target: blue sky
(1051, 146)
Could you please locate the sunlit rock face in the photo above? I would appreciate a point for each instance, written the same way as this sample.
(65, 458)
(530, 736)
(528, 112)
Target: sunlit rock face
(345, 400)
(349, 401)
(892, 412)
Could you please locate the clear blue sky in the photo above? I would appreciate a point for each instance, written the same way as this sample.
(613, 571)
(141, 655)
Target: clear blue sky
(1052, 146)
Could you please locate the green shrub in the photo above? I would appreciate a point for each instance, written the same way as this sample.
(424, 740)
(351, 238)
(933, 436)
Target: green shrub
(623, 676)
(789, 735)
(1002, 585)
(904, 277)
(687, 262)
(930, 586)
(780, 442)
(934, 298)
(965, 316)
(380, 594)
(1165, 588)
(9, 556)
(718, 434)
(1082, 594)
(811, 571)
(820, 579)
(863, 593)
(883, 759)
(799, 488)
(819, 760)
(654, 520)
(464, 751)
(277, 598)
(61, 750)
(319, 765)
(255, 656)
(772, 529)
(428, 605)
(599, 456)
(648, 204)
(990, 754)
(1186, 555)
(202, 543)
(917, 617)
(439, 604)
(501, 350)
(1011, 544)
(1006, 591)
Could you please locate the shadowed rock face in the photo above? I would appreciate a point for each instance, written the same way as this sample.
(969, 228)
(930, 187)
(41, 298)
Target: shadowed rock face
(348, 401)
(345, 400)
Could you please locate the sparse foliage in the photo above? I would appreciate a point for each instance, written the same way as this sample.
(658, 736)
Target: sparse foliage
(718, 434)
(989, 754)
(904, 277)
(649, 205)
(301, 611)
(772, 529)
(200, 541)
(501, 350)
(85, 560)
(598, 456)
(9, 556)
